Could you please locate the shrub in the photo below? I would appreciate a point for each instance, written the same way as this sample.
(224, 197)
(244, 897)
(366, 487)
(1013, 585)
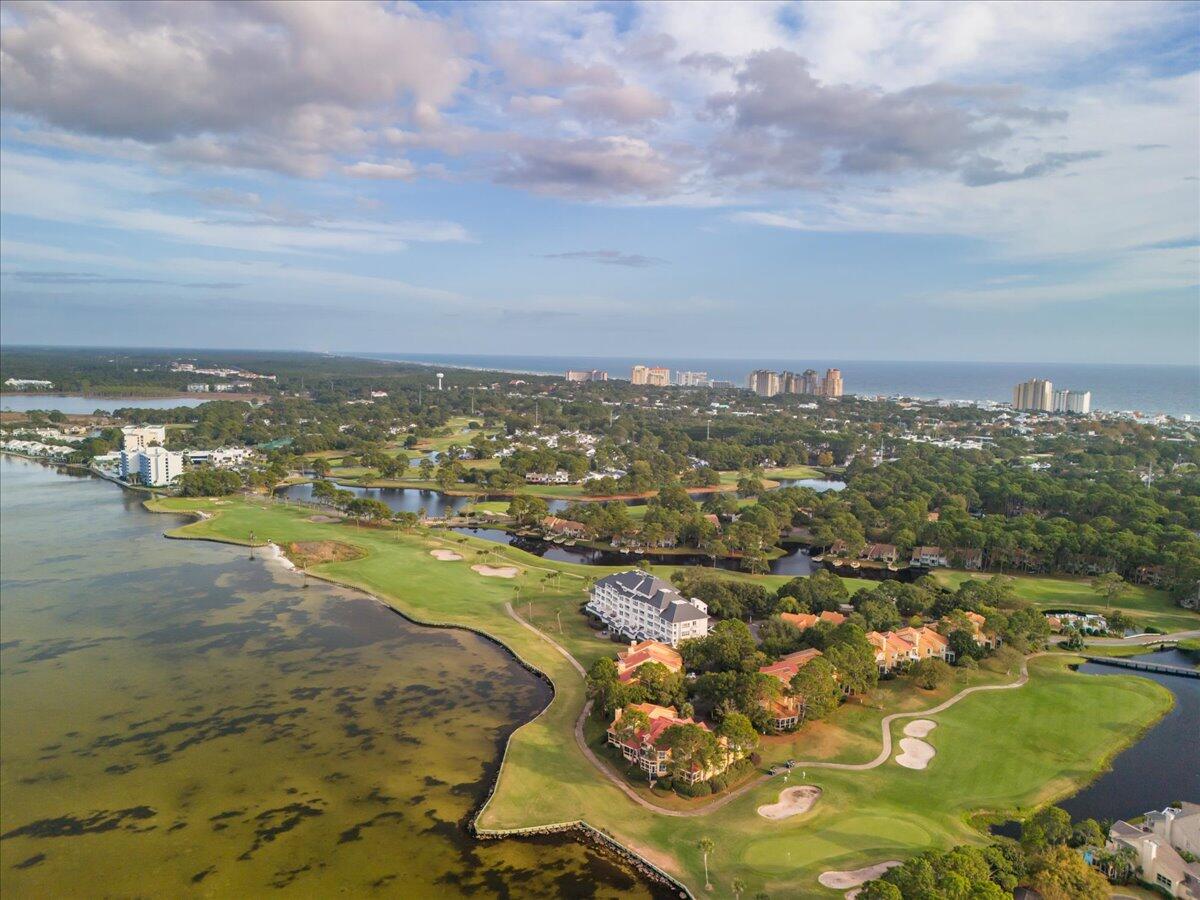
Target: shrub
(699, 789)
(930, 673)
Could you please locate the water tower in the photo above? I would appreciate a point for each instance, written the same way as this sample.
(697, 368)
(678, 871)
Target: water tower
(440, 377)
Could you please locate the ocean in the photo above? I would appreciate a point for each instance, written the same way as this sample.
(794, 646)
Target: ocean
(1149, 389)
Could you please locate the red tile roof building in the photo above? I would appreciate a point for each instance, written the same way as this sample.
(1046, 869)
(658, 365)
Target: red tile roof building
(642, 748)
(808, 620)
(787, 711)
(644, 652)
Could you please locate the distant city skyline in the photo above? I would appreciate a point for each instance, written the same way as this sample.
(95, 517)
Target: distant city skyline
(967, 181)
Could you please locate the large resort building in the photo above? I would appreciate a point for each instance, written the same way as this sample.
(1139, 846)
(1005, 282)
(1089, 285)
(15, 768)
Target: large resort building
(642, 607)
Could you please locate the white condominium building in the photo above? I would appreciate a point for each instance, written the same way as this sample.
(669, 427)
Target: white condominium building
(1073, 401)
(154, 466)
(645, 608)
(139, 437)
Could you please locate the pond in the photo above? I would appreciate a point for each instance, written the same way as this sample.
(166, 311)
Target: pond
(84, 406)
(178, 719)
(1159, 769)
(1163, 766)
(413, 500)
(820, 485)
(795, 562)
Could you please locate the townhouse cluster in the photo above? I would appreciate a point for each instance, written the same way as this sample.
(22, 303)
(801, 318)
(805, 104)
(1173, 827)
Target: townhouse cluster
(644, 747)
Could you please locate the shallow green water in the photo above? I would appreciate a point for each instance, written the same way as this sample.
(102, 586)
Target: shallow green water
(176, 719)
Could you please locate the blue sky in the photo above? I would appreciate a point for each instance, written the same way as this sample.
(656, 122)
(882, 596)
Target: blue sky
(835, 180)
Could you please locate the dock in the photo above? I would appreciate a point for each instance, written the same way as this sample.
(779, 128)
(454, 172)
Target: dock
(1143, 666)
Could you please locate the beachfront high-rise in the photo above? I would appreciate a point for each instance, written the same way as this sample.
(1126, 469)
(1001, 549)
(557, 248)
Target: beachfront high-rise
(831, 384)
(692, 379)
(1073, 401)
(652, 376)
(1034, 394)
(586, 375)
(764, 382)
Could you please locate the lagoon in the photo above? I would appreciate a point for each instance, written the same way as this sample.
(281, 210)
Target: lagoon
(181, 705)
(77, 405)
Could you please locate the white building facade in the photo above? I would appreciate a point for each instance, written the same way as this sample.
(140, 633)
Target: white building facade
(643, 607)
(154, 466)
(139, 437)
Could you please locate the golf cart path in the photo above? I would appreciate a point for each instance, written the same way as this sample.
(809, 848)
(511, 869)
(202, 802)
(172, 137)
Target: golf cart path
(620, 783)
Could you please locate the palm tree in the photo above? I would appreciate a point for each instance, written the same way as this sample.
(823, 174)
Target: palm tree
(737, 886)
(706, 845)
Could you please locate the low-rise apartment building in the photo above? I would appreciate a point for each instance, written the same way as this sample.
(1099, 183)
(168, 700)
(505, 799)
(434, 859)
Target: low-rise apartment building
(642, 607)
(897, 649)
(642, 747)
(787, 711)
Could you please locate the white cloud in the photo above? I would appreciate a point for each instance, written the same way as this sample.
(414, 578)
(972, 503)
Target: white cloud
(400, 169)
(122, 197)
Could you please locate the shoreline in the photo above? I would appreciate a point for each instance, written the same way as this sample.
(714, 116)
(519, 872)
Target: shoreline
(1076, 784)
(581, 826)
(277, 557)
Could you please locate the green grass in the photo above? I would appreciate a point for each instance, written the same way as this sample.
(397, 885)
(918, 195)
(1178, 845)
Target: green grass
(996, 750)
(1147, 606)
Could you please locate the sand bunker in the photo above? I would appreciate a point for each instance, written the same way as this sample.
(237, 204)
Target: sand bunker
(916, 754)
(497, 571)
(919, 728)
(841, 881)
(793, 801)
(445, 555)
(324, 520)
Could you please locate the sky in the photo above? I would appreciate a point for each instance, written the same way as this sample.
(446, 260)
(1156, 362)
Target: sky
(881, 180)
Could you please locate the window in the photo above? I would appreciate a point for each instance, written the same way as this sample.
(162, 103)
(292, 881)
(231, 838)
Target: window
(1163, 880)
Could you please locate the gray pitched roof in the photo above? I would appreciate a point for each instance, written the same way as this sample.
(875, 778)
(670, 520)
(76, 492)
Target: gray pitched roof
(672, 606)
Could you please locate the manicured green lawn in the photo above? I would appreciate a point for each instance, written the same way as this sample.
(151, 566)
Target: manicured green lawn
(1148, 606)
(995, 750)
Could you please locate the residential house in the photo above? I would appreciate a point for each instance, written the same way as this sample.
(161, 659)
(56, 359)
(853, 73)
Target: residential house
(808, 620)
(970, 558)
(561, 476)
(564, 527)
(977, 626)
(928, 557)
(897, 649)
(880, 553)
(1157, 863)
(643, 750)
(642, 652)
(927, 643)
(890, 651)
(642, 607)
(787, 711)
(1178, 825)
